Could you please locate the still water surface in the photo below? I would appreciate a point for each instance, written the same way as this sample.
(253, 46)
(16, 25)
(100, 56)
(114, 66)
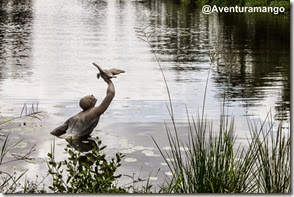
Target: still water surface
(47, 48)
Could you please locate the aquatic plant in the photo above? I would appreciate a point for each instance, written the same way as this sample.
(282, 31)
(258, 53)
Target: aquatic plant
(32, 111)
(213, 163)
(272, 146)
(139, 184)
(10, 182)
(88, 172)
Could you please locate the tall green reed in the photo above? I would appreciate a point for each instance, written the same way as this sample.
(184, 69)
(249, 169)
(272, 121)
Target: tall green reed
(214, 163)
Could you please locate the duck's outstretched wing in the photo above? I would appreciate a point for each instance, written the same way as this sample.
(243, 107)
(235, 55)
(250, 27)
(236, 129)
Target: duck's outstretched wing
(116, 71)
(108, 74)
(104, 73)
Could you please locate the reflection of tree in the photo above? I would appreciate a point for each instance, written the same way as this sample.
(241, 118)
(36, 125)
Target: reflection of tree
(15, 37)
(255, 49)
(174, 32)
(261, 47)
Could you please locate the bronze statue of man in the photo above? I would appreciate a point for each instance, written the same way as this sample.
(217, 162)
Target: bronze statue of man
(83, 123)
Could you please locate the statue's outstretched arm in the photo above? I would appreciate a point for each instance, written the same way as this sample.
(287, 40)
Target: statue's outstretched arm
(110, 93)
(60, 130)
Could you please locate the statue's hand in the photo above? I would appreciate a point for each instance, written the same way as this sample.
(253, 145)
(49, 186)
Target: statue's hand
(106, 79)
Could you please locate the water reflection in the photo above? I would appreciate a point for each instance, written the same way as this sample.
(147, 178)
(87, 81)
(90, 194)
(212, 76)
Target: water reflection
(254, 52)
(82, 144)
(180, 33)
(15, 38)
(47, 48)
(256, 57)
(51, 42)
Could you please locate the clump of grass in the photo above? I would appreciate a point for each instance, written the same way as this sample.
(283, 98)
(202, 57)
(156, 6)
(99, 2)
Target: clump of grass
(272, 146)
(140, 185)
(32, 111)
(11, 182)
(214, 163)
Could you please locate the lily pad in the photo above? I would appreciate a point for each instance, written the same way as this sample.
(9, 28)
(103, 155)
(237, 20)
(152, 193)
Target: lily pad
(130, 160)
(150, 153)
(168, 173)
(152, 178)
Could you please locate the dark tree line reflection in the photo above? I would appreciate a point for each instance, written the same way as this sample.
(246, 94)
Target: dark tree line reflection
(254, 50)
(260, 46)
(15, 37)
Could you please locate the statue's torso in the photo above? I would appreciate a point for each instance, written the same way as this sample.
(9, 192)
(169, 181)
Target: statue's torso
(79, 125)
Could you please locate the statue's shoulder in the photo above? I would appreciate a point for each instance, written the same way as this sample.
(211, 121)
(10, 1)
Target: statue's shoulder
(75, 117)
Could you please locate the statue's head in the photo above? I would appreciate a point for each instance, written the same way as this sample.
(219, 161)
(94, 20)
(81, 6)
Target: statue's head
(87, 102)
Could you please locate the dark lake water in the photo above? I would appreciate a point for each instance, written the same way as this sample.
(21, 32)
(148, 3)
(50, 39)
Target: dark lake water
(47, 48)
